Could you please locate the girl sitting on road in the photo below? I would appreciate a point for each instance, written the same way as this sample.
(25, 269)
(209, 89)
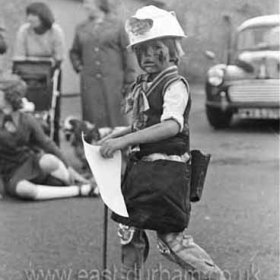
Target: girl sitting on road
(31, 165)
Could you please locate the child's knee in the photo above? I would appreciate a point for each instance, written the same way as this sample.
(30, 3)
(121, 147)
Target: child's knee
(26, 190)
(49, 163)
(182, 250)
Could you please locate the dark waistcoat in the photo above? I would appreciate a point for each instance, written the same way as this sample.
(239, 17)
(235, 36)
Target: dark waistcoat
(178, 144)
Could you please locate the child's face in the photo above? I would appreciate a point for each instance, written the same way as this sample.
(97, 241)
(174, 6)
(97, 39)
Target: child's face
(153, 56)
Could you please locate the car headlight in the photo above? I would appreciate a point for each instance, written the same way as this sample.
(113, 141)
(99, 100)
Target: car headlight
(215, 76)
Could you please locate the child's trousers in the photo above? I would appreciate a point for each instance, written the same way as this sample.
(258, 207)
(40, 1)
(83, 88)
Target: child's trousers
(177, 247)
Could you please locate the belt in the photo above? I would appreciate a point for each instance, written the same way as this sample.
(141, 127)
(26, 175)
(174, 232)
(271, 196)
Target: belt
(158, 156)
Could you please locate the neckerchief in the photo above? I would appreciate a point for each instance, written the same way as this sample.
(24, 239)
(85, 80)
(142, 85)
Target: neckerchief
(8, 123)
(137, 101)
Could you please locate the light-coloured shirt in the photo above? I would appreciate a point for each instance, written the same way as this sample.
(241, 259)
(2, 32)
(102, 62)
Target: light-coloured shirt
(50, 44)
(175, 101)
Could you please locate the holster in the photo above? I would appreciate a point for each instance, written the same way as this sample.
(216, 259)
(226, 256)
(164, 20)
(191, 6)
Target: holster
(199, 166)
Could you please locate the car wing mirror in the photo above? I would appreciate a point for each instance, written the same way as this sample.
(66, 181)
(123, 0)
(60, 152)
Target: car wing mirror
(210, 55)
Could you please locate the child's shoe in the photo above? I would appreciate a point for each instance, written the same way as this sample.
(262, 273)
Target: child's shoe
(90, 190)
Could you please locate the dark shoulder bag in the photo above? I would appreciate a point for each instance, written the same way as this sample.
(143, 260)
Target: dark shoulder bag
(199, 166)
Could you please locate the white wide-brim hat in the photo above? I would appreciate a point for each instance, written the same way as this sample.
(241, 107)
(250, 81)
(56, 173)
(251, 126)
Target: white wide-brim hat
(150, 23)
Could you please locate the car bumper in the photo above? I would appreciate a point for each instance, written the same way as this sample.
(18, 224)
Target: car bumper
(251, 99)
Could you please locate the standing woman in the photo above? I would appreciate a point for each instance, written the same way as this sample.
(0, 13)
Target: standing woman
(41, 37)
(107, 69)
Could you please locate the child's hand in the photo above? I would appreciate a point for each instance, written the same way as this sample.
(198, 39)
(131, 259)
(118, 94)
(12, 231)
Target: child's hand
(103, 140)
(108, 147)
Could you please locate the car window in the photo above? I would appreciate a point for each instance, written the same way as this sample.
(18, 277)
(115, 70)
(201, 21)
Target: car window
(259, 38)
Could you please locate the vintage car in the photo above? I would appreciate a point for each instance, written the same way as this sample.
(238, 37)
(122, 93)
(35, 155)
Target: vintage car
(248, 84)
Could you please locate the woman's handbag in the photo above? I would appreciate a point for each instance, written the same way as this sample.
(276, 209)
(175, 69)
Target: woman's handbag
(199, 166)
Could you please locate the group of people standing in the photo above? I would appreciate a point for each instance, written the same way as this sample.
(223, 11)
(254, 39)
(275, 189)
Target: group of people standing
(98, 54)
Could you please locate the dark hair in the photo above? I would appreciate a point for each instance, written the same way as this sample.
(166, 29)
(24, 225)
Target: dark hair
(43, 12)
(14, 89)
(104, 6)
(167, 41)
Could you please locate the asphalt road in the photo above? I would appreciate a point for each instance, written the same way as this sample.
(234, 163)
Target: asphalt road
(236, 221)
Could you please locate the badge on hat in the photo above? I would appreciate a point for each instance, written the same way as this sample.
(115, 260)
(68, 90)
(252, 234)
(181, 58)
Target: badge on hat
(139, 26)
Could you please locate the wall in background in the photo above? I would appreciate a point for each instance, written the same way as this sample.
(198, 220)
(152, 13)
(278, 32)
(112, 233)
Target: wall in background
(202, 21)
(12, 14)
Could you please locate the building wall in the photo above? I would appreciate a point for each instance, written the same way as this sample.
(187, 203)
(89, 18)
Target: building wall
(207, 30)
(12, 13)
(202, 21)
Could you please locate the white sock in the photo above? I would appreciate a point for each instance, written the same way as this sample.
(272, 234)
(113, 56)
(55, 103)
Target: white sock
(49, 192)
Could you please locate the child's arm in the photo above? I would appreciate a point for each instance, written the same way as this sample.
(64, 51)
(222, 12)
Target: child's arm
(157, 132)
(39, 138)
(115, 134)
(172, 122)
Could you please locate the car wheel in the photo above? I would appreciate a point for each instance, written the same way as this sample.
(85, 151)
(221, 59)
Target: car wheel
(218, 118)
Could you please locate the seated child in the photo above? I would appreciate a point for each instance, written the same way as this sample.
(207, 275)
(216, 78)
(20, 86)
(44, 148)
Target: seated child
(156, 183)
(31, 165)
